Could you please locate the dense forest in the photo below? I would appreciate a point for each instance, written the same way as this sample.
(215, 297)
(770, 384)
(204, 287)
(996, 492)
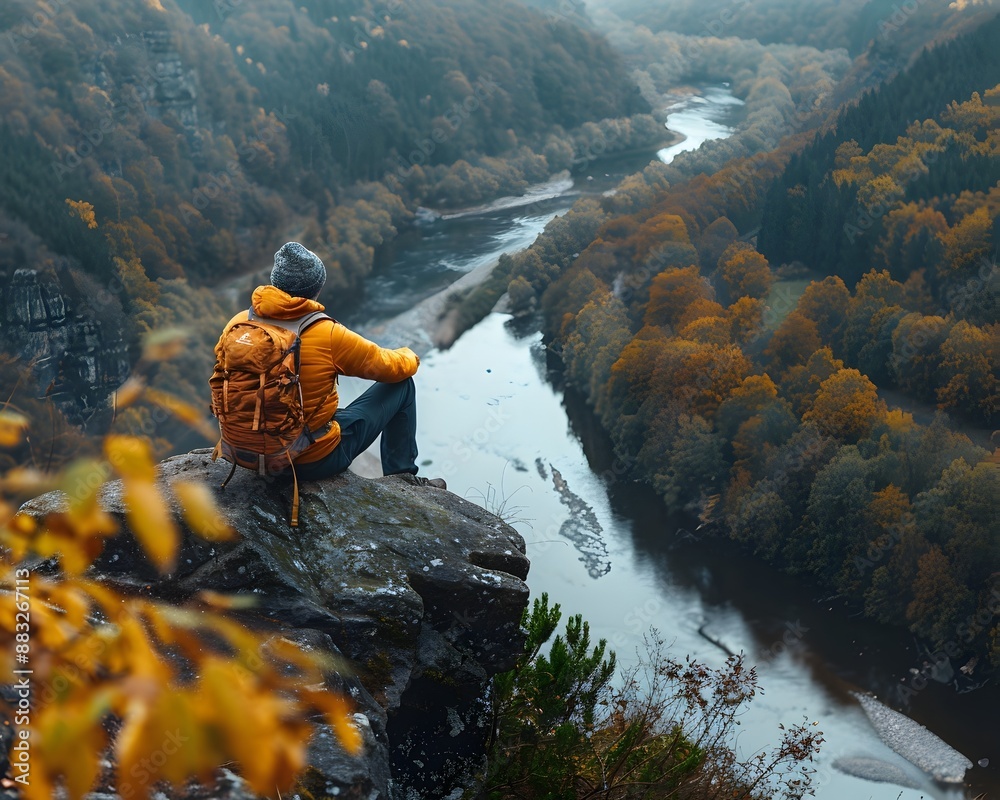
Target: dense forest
(195, 141)
(854, 25)
(155, 152)
(745, 376)
(389, 75)
(785, 88)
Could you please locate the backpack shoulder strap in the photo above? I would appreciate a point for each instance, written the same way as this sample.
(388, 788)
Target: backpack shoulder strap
(309, 319)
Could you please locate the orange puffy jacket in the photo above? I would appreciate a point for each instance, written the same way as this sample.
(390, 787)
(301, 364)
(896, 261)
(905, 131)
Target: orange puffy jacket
(328, 350)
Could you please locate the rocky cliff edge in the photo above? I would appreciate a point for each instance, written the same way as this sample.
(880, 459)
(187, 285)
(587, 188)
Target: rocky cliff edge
(420, 590)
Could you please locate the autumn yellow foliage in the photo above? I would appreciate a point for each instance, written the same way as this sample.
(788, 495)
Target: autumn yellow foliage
(98, 659)
(83, 210)
(847, 405)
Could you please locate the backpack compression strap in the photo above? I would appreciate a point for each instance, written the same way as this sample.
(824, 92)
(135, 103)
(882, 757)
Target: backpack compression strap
(298, 326)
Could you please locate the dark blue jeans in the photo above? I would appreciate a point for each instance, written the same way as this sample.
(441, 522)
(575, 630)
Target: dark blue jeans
(386, 408)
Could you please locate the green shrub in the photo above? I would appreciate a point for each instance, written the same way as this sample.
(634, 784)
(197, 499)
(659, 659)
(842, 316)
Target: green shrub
(564, 730)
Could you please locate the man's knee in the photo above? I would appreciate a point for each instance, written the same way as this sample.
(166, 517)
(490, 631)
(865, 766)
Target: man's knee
(409, 388)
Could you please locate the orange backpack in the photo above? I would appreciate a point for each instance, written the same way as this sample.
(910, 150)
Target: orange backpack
(257, 397)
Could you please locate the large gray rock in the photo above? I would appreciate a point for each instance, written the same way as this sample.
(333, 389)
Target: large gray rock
(876, 770)
(914, 742)
(419, 589)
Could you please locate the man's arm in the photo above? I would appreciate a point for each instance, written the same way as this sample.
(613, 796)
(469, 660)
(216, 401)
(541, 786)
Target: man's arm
(357, 357)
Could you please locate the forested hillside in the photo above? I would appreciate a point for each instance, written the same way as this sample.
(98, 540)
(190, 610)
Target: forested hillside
(785, 87)
(153, 151)
(201, 141)
(372, 80)
(787, 22)
(752, 389)
(893, 28)
(797, 217)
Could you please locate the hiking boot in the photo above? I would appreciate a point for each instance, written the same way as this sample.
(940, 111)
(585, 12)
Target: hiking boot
(419, 480)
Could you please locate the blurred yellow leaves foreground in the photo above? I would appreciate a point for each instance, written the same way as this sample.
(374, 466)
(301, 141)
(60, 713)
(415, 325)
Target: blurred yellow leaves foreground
(164, 693)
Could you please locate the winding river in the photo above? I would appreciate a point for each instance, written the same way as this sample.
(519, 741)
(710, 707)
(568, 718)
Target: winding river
(496, 422)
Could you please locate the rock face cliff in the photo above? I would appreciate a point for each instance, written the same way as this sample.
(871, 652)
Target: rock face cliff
(77, 359)
(420, 590)
(176, 87)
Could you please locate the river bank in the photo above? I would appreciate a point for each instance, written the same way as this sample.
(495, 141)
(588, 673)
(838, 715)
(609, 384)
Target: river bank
(426, 325)
(698, 117)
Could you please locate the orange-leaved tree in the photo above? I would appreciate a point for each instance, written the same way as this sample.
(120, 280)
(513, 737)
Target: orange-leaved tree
(744, 272)
(846, 406)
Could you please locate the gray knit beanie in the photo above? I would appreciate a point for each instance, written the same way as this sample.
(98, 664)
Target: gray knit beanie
(298, 271)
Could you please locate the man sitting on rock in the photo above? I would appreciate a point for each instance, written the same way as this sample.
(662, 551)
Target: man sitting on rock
(329, 349)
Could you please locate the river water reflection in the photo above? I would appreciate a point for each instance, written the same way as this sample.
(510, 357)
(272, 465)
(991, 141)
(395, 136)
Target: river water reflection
(496, 423)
